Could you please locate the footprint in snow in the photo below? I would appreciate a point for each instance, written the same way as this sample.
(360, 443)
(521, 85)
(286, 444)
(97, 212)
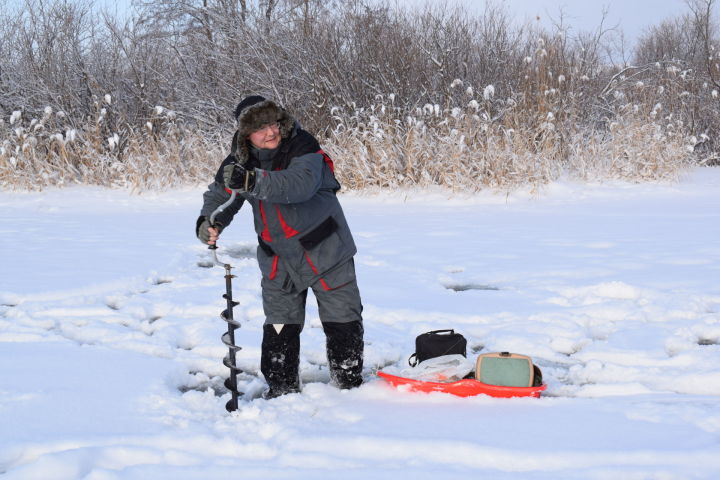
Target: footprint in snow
(241, 251)
(246, 251)
(249, 384)
(463, 287)
(476, 348)
(200, 382)
(113, 304)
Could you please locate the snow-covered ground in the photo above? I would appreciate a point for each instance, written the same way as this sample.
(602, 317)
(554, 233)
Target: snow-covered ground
(110, 352)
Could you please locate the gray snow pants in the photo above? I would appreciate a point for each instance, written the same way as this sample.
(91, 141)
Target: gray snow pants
(287, 306)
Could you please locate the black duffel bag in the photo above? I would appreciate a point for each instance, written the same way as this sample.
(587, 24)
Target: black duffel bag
(436, 344)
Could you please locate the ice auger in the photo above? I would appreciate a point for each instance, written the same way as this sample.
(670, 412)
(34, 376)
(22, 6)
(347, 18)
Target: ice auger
(228, 338)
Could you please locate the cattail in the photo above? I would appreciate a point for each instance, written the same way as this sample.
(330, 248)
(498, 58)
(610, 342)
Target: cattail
(489, 92)
(29, 144)
(57, 138)
(113, 141)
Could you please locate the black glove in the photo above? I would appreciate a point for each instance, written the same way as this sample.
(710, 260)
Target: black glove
(237, 177)
(201, 229)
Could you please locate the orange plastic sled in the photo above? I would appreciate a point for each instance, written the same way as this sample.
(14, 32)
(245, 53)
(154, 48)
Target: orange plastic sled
(463, 388)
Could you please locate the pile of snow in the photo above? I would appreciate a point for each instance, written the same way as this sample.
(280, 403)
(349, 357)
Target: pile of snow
(110, 352)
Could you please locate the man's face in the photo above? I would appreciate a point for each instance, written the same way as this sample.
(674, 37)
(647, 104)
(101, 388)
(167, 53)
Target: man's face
(267, 137)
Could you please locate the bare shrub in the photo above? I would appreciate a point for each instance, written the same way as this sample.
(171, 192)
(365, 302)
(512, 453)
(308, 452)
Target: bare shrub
(399, 97)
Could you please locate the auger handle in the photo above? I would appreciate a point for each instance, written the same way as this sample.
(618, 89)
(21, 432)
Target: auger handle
(233, 195)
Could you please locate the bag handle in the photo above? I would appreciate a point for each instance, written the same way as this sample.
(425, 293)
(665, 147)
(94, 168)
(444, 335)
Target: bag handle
(412, 361)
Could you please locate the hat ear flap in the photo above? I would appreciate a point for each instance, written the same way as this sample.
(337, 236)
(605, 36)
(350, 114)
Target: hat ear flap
(234, 146)
(286, 122)
(239, 148)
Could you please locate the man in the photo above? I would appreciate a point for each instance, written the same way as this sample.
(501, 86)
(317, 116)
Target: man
(304, 241)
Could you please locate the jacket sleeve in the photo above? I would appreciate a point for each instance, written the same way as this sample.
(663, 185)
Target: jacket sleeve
(215, 196)
(296, 184)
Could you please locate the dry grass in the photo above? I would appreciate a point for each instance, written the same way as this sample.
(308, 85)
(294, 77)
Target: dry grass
(632, 149)
(39, 153)
(482, 144)
(465, 149)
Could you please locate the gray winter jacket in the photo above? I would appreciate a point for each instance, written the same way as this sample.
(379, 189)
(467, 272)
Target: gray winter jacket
(302, 232)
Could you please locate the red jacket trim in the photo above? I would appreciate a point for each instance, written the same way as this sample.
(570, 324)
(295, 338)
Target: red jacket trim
(327, 160)
(265, 235)
(324, 284)
(287, 229)
(312, 265)
(274, 269)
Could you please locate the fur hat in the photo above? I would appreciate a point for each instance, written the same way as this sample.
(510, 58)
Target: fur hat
(253, 113)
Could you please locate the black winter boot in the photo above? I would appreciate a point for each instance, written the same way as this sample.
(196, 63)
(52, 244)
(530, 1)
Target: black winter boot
(345, 352)
(280, 359)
